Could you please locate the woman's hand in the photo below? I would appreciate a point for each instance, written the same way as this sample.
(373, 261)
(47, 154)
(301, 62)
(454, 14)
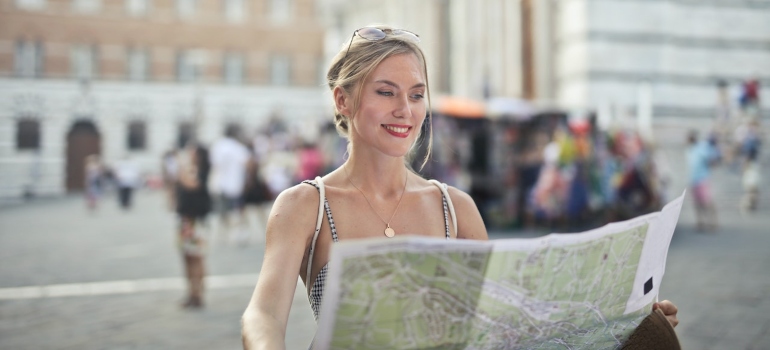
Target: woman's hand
(669, 310)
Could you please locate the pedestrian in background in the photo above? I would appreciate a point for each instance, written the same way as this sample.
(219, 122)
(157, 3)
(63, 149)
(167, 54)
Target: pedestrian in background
(193, 205)
(256, 199)
(311, 162)
(127, 178)
(749, 98)
(751, 177)
(94, 180)
(169, 173)
(280, 166)
(701, 157)
(228, 161)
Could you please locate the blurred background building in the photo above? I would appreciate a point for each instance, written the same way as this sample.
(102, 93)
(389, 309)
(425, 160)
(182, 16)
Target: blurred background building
(578, 53)
(509, 76)
(139, 77)
(474, 48)
(603, 49)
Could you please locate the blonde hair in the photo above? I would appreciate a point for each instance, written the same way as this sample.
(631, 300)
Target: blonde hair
(357, 59)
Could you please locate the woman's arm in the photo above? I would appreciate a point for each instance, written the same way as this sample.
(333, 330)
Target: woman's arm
(289, 229)
(469, 223)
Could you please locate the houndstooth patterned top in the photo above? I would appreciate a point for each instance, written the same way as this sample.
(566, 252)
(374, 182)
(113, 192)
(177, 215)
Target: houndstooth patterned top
(317, 290)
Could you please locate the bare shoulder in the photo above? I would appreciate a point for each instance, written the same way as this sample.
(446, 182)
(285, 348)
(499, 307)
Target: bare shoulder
(460, 197)
(294, 208)
(469, 222)
(298, 193)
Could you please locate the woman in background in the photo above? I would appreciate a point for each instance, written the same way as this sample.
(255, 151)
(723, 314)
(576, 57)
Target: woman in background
(193, 204)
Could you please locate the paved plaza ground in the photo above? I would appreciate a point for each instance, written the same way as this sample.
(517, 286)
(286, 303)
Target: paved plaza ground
(71, 279)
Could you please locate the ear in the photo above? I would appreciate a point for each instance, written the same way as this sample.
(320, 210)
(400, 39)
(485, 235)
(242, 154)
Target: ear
(342, 102)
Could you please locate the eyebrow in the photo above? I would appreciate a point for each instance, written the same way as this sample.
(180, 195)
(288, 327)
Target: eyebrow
(388, 82)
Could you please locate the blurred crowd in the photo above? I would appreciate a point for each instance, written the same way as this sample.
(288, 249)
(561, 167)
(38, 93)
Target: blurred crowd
(243, 174)
(563, 172)
(551, 170)
(734, 140)
(247, 171)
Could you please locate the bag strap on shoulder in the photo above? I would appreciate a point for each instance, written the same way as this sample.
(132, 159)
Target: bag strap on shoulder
(443, 188)
(322, 199)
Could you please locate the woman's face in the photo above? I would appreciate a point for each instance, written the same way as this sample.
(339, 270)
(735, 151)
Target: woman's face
(392, 106)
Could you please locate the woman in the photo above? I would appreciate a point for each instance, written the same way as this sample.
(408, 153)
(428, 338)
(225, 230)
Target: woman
(94, 180)
(379, 85)
(256, 195)
(193, 204)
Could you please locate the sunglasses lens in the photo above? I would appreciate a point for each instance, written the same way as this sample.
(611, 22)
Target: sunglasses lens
(371, 33)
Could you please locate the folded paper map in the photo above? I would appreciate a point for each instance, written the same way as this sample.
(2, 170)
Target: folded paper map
(586, 290)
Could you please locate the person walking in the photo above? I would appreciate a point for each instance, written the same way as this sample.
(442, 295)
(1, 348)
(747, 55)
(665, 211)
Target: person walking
(311, 162)
(127, 178)
(228, 161)
(380, 90)
(751, 177)
(94, 181)
(256, 198)
(701, 157)
(169, 174)
(193, 203)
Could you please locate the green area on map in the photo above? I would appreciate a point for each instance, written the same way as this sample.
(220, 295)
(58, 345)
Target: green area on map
(571, 296)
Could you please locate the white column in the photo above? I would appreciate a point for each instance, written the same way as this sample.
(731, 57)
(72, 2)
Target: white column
(460, 49)
(644, 110)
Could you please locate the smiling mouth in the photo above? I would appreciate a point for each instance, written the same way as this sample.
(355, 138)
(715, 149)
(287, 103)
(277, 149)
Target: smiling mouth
(397, 129)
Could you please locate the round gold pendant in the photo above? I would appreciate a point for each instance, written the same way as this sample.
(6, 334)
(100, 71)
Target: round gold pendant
(390, 232)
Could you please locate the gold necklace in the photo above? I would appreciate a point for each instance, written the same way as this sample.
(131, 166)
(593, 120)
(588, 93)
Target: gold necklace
(389, 232)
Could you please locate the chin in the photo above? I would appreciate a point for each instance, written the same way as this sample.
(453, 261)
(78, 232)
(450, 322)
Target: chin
(397, 152)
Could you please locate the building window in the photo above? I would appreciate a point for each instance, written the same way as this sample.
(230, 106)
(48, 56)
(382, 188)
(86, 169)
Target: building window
(87, 6)
(28, 134)
(234, 10)
(30, 4)
(280, 10)
(138, 65)
(186, 66)
(186, 8)
(84, 62)
(233, 69)
(28, 59)
(137, 7)
(280, 70)
(137, 136)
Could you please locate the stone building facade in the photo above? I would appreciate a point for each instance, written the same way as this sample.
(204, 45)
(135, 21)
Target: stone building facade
(605, 52)
(579, 54)
(473, 47)
(138, 77)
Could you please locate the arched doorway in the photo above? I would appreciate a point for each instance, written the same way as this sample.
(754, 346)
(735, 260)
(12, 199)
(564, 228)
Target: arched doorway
(83, 139)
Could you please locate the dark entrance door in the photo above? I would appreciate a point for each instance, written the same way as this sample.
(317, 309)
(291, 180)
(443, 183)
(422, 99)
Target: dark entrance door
(82, 140)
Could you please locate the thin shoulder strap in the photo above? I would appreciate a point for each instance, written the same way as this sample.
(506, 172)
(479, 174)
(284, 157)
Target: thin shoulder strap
(322, 196)
(443, 188)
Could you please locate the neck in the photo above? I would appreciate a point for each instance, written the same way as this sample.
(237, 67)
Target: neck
(380, 177)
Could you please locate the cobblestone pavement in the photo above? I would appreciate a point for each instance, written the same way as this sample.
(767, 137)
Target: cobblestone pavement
(70, 279)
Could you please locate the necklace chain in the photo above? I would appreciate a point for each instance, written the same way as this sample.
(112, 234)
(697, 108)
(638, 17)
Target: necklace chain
(388, 230)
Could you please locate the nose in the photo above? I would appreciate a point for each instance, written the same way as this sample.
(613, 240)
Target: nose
(402, 108)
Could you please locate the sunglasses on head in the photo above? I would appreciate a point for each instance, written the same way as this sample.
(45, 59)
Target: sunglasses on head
(376, 34)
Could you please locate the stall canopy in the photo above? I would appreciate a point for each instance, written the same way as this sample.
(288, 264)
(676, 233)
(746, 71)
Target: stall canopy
(510, 108)
(460, 107)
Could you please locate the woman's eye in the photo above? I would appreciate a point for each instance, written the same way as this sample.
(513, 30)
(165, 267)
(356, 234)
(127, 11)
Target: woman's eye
(385, 93)
(417, 96)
